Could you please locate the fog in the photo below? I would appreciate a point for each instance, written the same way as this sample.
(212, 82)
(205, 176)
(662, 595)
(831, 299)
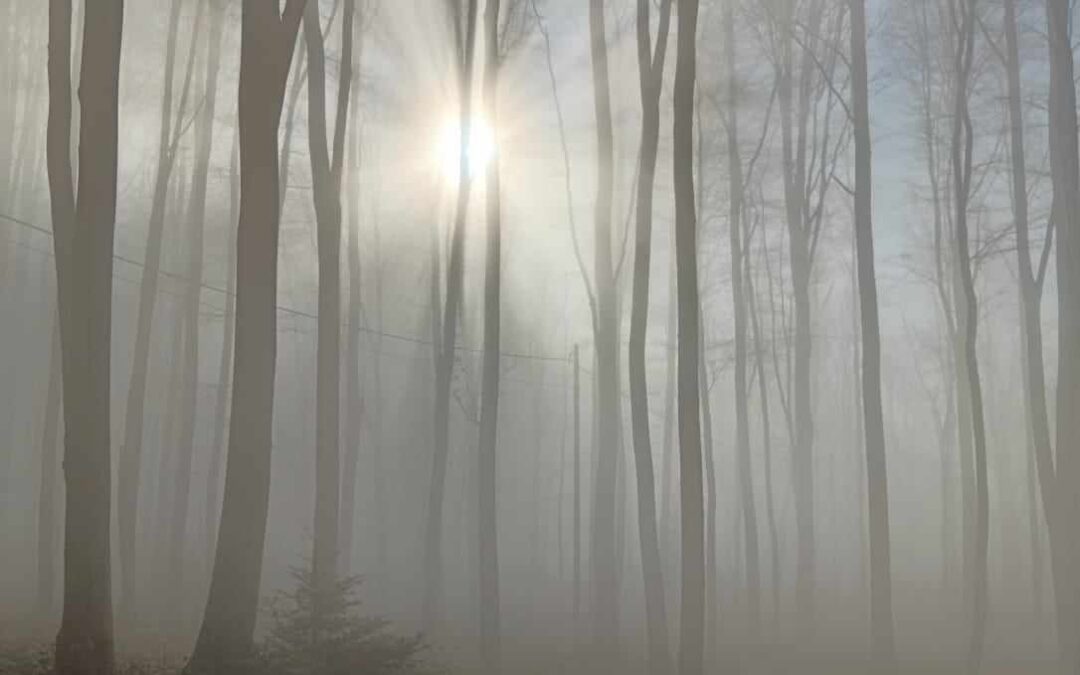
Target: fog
(537, 336)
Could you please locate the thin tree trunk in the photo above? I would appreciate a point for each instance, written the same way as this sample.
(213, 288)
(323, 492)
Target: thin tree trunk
(1060, 503)
(444, 362)
(577, 490)
(651, 70)
(225, 638)
(221, 405)
(84, 220)
(47, 525)
(604, 538)
(741, 395)
(692, 625)
(196, 218)
(489, 404)
(962, 147)
(881, 618)
(134, 409)
(327, 166)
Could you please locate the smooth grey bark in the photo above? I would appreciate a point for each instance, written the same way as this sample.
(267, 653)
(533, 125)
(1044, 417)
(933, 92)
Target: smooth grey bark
(188, 404)
(1030, 282)
(577, 487)
(169, 134)
(881, 617)
(692, 625)
(221, 404)
(651, 77)
(266, 45)
(327, 166)
(1061, 502)
(47, 523)
(751, 549)
(962, 13)
(355, 408)
(489, 402)
(604, 558)
(84, 219)
(447, 333)
(766, 426)
(794, 104)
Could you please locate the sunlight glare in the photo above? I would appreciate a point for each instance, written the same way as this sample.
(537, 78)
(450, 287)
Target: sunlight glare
(481, 148)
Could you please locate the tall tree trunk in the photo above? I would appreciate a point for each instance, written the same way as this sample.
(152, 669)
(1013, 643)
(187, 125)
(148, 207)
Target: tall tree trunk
(327, 166)
(738, 296)
(604, 538)
(794, 157)
(963, 12)
(128, 472)
(651, 75)
(444, 361)
(1065, 495)
(577, 489)
(196, 218)
(766, 427)
(225, 639)
(354, 397)
(881, 618)
(221, 404)
(84, 221)
(47, 525)
(692, 625)
(489, 404)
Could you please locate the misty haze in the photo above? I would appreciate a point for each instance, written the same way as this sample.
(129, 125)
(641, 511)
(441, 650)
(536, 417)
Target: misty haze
(562, 337)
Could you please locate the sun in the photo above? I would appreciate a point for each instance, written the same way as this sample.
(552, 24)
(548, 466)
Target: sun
(481, 147)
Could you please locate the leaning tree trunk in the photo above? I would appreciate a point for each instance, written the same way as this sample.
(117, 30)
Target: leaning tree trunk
(225, 639)
(327, 166)
(692, 643)
(84, 219)
(651, 70)
(881, 618)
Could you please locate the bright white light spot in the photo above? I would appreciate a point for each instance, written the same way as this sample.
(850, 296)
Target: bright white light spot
(481, 148)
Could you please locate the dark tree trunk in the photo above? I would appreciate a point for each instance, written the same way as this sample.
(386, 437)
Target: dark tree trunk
(651, 74)
(692, 643)
(326, 171)
(83, 225)
(225, 638)
(881, 618)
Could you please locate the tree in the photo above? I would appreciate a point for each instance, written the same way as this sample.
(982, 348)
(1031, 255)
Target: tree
(881, 619)
(47, 522)
(326, 171)
(692, 645)
(1060, 496)
(962, 15)
(605, 330)
(196, 217)
(266, 45)
(738, 296)
(170, 132)
(489, 404)
(445, 330)
(84, 220)
(651, 78)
